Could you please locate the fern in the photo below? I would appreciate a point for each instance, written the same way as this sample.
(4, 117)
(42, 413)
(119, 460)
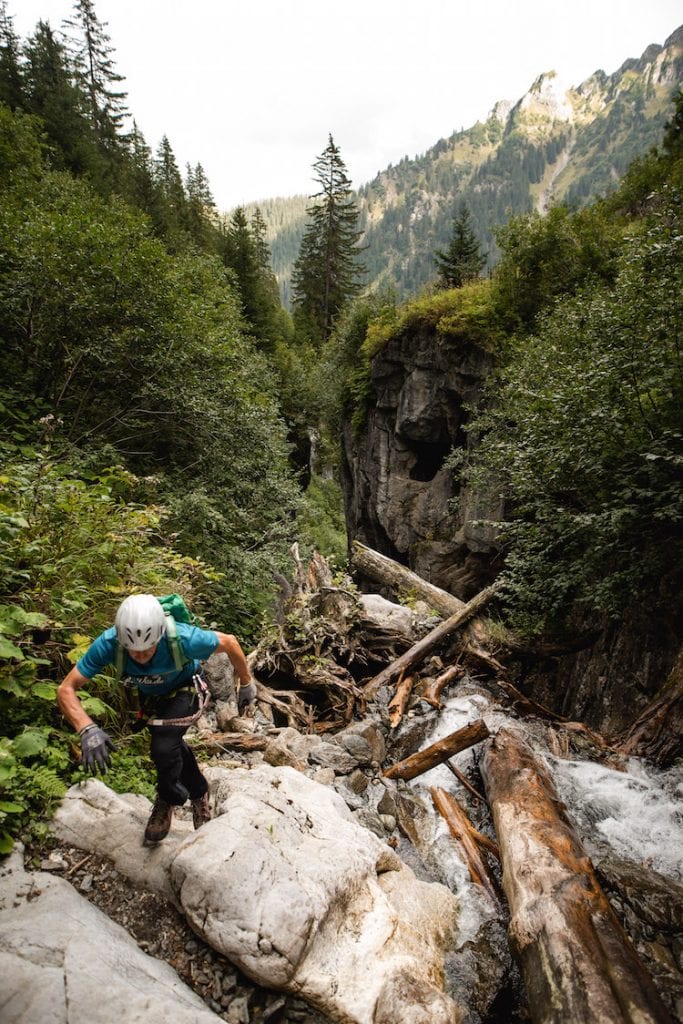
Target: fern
(41, 784)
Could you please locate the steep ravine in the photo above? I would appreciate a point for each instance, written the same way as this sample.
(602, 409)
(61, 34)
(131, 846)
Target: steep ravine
(402, 499)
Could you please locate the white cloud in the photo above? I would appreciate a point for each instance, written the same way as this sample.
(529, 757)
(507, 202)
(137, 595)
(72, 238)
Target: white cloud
(251, 88)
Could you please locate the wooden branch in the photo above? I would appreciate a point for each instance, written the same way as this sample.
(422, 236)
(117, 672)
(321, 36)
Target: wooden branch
(419, 651)
(399, 701)
(577, 963)
(434, 687)
(439, 752)
(465, 782)
(462, 829)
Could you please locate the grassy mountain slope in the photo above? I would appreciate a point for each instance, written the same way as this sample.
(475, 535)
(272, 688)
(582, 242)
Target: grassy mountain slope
(553, 144)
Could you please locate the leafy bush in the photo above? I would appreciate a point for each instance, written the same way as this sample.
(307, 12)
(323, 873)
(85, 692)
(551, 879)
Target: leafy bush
(584, 435)
(70, 548)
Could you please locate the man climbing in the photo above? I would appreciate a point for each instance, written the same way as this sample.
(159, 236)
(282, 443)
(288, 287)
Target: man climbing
(169, 692)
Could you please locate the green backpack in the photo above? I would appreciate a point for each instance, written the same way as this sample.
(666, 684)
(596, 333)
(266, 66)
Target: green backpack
(175, 611)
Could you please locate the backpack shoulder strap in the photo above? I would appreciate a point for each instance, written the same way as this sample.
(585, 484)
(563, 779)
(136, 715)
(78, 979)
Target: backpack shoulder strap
(119, 661)
(174, 643)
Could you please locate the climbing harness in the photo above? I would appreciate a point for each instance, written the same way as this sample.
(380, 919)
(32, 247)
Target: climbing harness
(203, 697)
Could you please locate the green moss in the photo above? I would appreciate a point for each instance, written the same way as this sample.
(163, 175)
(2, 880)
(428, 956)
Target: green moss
(457, 313)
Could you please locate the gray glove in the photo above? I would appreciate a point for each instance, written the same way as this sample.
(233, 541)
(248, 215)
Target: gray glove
(246, 695)
(95, 747)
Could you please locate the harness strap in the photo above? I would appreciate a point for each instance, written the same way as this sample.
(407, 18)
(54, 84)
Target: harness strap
(204, 697)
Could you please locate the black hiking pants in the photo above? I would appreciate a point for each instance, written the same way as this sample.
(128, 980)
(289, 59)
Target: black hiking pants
(178, 774)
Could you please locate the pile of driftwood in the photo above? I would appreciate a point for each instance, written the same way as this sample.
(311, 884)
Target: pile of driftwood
(326, 664)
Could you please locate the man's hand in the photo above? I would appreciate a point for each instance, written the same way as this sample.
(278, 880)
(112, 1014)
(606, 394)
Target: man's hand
(246, 695)
(95, 747)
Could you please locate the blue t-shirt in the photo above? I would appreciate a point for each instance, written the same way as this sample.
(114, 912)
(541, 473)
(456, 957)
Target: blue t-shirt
(159, 675)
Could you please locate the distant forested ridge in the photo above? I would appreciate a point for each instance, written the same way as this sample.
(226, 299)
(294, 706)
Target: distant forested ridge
(554, 144)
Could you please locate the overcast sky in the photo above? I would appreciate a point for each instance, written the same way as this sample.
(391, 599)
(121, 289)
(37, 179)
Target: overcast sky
(252, 88)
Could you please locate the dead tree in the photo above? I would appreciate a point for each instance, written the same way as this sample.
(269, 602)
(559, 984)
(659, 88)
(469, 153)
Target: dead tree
(439, 752)
(401, 580)
(470, 840)
(578, 965)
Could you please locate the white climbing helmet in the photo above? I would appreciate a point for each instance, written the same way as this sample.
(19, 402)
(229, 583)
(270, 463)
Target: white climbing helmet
(140, 622)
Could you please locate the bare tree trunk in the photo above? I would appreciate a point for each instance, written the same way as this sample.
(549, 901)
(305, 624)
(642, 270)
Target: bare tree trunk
(400, 579)
(399, 701)
(439, 752)
(658, 732)
(577, 963)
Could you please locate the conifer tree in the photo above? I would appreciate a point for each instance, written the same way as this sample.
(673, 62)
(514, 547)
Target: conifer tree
(462, 261)
(139, 186)
(11, 92)
(328, 270)
(258, 233)
(94, 63)
(201, 207)
(172, 216)
(51, 94)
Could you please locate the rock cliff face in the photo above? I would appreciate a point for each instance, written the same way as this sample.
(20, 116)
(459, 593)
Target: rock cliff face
(401, 497)
(404, 501)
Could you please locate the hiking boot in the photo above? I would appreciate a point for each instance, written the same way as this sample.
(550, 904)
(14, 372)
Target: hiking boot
(159, 821)
(201, 812)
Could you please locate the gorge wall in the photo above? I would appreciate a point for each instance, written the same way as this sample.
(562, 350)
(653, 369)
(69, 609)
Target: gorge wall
(403, 500)
(400, 497)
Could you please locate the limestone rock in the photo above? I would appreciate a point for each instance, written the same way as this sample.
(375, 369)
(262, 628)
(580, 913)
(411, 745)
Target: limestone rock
(387, 615)
(62, 961)
(93, 817)
(286, 884)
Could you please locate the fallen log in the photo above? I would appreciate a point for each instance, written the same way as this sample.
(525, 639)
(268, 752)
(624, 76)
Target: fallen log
(657, 733)
(578, 965)
(402, 580)
(399, 701)
(462, 829)
(423, 760)
(233, 741)
(419, 651)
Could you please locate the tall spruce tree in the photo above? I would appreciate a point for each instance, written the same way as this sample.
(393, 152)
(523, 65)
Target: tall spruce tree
(94, 62)
(328, 269)
(201, 208)
(11, 92)
(171, 220)
(51, 94)
(463, 260)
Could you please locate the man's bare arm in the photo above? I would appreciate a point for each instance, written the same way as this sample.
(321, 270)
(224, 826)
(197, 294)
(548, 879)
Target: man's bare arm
(69, 704)
(228, 644)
